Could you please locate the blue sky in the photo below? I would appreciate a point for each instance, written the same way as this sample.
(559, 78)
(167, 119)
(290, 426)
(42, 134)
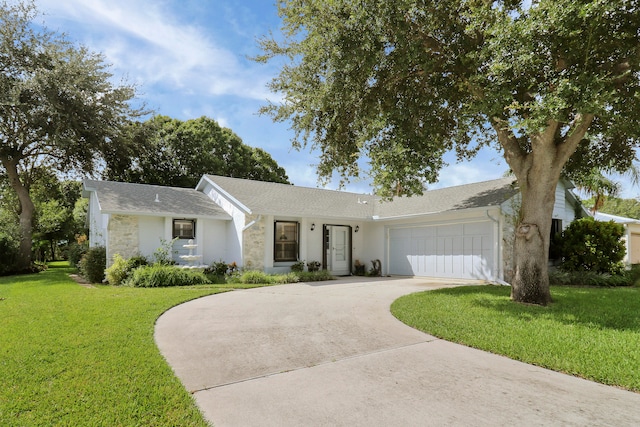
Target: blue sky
(189, 59)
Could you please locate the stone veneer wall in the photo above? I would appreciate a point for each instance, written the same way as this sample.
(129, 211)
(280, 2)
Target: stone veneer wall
(253, 244)
(123, 236)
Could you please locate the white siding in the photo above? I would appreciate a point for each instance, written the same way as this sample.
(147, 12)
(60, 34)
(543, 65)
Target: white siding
(151, 231)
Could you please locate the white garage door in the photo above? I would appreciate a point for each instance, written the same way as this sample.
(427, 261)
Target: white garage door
(458, 251)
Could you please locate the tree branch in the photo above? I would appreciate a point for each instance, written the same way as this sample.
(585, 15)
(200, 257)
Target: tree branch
(578, 129)
(513, 153)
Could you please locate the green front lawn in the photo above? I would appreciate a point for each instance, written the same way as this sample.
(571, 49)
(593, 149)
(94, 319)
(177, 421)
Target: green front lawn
(592, 333)
(71, 355)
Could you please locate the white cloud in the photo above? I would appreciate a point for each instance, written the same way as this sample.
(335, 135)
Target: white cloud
(144, 40)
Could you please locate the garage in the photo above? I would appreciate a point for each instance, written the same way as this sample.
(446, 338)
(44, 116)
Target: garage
(454, 250)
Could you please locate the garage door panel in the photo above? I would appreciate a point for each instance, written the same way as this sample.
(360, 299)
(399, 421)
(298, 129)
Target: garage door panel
(459, 250)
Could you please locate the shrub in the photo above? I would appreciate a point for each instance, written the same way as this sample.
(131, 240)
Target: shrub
(218, 268)
(313, 266)
(159, 275)
(75, 251)
(254, 277)
(93, 264)
(8, 255)
(596, 246)
(589, 278)
(314, 276)
(298, 266)
(634, 275)
(121, 268)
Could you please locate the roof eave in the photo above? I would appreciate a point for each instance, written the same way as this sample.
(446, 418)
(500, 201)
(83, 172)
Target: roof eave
(221, 216)
(430, 214)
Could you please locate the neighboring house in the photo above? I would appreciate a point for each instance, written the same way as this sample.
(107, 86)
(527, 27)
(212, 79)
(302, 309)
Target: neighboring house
(458, 232)
(631, 235)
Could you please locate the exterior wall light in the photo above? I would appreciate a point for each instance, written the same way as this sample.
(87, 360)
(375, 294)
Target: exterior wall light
(357, 228)
(313, 226)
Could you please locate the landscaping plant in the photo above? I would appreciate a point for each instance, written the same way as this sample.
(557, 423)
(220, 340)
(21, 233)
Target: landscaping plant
(595, 246)
(93, 264)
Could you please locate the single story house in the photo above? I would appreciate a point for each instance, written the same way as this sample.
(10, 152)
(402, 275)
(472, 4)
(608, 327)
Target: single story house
(631, 235)
(464, 231)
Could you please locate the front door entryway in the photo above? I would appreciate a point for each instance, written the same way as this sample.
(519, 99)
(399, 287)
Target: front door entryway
(337, 249)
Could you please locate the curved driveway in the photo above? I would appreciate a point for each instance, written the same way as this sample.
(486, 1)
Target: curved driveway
(331, 354)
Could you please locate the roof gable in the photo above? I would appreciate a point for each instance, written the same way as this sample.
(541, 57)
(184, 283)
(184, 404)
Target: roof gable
(144, 199)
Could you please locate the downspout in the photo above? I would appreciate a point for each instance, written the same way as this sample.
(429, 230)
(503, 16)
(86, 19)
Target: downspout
(497, 280)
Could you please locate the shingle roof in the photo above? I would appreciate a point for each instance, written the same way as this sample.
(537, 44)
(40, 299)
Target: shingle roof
(281, 199)
(120, 197)
(468, 196)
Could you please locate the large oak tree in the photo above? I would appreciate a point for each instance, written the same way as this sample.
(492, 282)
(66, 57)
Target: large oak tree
(58, 107)
(551, 84)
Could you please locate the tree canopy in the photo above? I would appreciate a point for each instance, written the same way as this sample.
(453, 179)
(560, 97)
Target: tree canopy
(629, 208)
(403, 82)
(58, 109)
(166, 151)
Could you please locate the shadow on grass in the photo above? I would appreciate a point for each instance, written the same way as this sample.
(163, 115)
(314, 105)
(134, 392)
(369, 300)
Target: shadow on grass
(606, 308)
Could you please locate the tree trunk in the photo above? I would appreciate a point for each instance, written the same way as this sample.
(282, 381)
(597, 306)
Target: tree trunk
(26, 213)
(532, 237)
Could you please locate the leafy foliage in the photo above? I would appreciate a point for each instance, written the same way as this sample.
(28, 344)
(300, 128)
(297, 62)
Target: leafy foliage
(629, 208)
(595, 246)
(93, 264)
(75, 252)
(165, 151)
(159, 275)
(8, 255)
(297, 266)
(121, 268)
(588, 278)
(403, 82)
(59, 109)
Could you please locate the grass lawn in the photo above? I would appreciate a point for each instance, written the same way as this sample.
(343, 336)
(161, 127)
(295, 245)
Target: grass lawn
(71, 355)
(592, 333)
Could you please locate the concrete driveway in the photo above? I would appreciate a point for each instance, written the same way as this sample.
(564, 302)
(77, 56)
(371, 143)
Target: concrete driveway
(331, 354)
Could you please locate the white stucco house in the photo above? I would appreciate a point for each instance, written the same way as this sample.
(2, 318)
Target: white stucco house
(457, 232)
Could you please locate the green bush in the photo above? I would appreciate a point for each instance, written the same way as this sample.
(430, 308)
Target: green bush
(9, 253)
(634, 275)
(298, 266)
(255, 277)
(314, 276)
(93, 264)
(75, 252)
(218, 268)
(589, 278)
(159, 275)
(121, 268)
(596, 246)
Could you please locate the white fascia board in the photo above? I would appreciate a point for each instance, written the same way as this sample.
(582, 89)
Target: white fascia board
(224, 193)
(223, 217)
(430, 214)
